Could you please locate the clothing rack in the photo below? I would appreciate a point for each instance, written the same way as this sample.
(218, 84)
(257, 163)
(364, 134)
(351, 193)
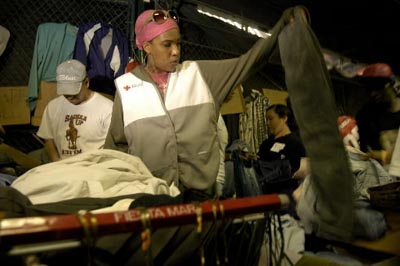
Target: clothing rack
(85, 225)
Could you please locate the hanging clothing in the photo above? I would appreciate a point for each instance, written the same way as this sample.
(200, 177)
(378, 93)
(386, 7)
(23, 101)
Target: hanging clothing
(4, 38)
(240, 178)
(54, 44)
(253, 123)
(103, 49)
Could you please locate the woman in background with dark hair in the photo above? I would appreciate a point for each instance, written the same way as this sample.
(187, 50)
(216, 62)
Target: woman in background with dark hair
(282, 144)
(279, 155)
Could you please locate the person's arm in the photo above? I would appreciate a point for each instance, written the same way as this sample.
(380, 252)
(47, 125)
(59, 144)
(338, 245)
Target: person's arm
(46, 130)
(304, 169)
(105, 122)
(51, 149)
(236, 70)
(380, 155)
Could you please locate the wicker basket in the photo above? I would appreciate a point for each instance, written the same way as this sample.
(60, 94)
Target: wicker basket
(386, 196)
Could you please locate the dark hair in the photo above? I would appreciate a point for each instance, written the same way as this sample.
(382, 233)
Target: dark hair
(282, 110)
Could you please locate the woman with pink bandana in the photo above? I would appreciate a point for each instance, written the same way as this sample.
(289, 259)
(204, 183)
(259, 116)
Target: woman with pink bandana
(166, 112)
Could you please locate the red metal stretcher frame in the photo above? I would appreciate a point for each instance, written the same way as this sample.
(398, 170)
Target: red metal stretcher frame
(29, 230)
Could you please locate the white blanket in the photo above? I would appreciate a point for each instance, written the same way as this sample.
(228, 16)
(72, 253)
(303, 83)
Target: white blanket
(100, 173)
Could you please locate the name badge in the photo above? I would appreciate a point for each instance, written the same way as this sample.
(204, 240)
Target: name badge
(277, 147)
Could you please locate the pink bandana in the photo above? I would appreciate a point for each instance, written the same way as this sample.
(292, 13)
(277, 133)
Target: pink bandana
(146, 31)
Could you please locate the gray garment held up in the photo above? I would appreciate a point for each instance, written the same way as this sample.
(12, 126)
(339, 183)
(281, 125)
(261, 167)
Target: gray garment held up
(313, 103)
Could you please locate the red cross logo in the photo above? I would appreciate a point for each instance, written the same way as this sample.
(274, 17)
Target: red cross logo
(127, 87)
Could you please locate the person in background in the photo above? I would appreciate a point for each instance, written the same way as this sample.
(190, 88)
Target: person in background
(78, 120)
(166, 112)
(390, 121)
(280, 155)
(379, 120)
(282, 144)
(348, 130)
(367, 170)
(385, 122)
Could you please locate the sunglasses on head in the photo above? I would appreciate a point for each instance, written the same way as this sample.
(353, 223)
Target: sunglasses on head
(159, 16)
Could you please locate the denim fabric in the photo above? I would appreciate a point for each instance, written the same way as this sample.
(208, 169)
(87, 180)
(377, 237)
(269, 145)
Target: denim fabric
(241, 181)
(240, 176)
(244, 177)
(228, 191)
(6, 180)
(369, 223)
(250, 183)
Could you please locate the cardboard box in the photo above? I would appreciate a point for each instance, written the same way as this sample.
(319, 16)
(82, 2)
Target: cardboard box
(14, 109)
(276, 96)
(235, 104)
(47, 92)
(22, 159)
